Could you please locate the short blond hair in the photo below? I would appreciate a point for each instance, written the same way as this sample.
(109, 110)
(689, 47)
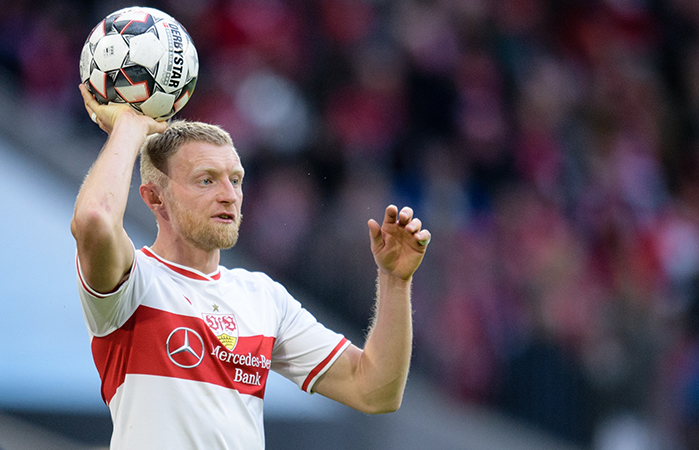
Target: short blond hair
(157, 150)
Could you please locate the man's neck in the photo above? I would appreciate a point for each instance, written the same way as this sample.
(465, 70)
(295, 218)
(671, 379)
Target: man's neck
(185, 254)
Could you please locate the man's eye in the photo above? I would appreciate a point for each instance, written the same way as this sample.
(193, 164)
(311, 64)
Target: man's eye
(206, 181)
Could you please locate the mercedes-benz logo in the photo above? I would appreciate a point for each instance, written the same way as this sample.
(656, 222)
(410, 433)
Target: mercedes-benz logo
(185, 355)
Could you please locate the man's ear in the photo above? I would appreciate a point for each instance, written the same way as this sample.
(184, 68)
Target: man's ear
(153, 198)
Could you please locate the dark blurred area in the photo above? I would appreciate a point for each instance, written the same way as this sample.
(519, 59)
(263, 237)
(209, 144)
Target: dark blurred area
(551, 147)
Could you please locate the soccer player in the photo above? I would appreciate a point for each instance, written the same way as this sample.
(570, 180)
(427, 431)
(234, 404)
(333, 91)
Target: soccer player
(183, 345)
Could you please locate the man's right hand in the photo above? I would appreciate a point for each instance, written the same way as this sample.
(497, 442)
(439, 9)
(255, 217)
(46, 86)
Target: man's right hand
(107, 115)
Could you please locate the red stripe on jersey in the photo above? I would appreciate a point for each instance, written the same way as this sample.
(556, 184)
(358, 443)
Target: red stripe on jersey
(93, 292)
(322, 365)
(160, 343)
(180, 269)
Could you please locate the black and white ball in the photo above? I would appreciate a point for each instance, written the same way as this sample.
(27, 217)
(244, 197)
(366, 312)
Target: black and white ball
(143, 57)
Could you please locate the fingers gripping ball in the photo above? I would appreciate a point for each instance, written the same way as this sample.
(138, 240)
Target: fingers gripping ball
(143, 57)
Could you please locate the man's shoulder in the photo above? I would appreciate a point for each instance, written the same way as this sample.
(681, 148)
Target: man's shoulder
(254, 281)
(242, 274)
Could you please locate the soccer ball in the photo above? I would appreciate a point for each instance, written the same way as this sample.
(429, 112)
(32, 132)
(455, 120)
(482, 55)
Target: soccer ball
(143, 57)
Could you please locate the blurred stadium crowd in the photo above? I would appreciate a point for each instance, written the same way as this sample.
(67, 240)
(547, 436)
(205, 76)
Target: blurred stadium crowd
(551, 147)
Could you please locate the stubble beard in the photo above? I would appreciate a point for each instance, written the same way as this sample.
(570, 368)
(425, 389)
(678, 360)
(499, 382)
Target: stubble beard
(204, 234)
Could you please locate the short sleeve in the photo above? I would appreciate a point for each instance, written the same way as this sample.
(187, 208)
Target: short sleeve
(304, 348)
(104, 313)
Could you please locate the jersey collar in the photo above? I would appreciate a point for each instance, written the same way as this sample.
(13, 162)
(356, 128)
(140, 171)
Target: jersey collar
(182, 270)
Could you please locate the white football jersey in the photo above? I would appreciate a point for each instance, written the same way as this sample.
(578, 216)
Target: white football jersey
(184, 356)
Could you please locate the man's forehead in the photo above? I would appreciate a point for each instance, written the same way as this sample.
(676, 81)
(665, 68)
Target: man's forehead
(194, 152)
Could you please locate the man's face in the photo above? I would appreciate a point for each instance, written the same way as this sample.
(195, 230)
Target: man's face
(204, 196)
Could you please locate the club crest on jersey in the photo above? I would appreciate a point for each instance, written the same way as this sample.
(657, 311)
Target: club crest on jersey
(224, 326)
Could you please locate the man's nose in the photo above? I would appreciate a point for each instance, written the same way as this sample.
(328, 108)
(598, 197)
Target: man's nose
(228, 193)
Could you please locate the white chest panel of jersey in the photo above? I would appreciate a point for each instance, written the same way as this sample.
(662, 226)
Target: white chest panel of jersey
(184, 356)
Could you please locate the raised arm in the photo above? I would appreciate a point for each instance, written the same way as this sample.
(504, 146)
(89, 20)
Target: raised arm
(104, 249)
(372, 380)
